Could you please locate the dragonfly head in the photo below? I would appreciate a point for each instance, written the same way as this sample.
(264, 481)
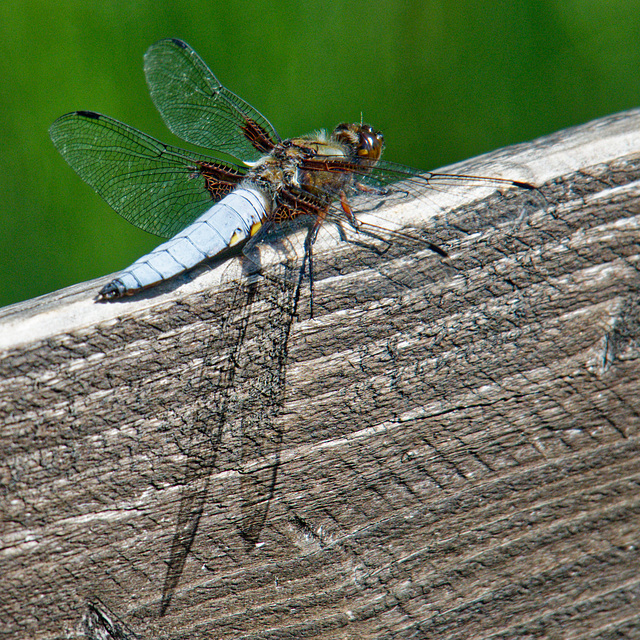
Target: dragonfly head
(362, 139)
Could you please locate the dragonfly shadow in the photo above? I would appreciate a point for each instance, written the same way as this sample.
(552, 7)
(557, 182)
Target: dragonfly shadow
(239, 401)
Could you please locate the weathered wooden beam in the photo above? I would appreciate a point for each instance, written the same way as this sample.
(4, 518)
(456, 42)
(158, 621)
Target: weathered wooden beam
(448, 449)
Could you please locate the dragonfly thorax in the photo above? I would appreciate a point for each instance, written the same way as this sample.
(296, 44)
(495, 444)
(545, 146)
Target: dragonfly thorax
(308, 167)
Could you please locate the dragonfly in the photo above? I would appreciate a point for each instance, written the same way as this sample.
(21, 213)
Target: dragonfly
(206, 205)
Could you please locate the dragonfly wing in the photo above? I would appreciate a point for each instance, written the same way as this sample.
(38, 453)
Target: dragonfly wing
(198, 109)
(158, 188)
(387, 174)
(369, 186)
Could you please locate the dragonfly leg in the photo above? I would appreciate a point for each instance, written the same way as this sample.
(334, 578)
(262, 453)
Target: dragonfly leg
(348, 211)
(308, 259)
(308, 251)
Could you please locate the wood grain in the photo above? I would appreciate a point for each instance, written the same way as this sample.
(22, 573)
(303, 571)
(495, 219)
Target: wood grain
(448, 449)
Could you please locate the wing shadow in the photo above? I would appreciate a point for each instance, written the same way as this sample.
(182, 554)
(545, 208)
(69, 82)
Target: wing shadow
(255, 407)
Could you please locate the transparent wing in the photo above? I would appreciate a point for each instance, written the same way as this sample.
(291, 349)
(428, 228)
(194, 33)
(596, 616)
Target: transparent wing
(158, 188)
(396, 181)
(389, 177)
(198, 109)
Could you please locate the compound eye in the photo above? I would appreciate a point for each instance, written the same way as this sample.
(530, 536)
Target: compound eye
(371, 144)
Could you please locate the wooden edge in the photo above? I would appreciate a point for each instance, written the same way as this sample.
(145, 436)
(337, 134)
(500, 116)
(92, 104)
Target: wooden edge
(536, 162)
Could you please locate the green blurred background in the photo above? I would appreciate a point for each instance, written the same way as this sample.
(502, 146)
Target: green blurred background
(445, 80)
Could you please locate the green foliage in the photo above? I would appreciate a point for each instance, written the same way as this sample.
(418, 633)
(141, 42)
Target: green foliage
(444, 80)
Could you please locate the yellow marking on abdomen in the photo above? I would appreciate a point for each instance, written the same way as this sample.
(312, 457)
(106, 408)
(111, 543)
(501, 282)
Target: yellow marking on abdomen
(255, 227)
(236, 238)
